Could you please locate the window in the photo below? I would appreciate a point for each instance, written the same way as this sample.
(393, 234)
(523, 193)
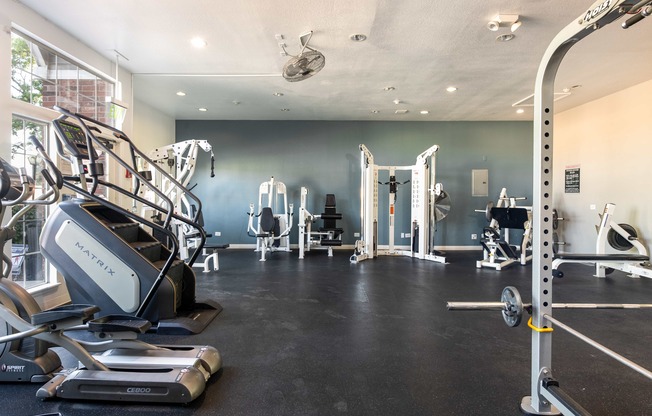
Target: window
(44, 77)
(29, 268)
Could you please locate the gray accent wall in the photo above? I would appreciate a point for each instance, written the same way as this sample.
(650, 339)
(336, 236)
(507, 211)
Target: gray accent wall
(324, 156)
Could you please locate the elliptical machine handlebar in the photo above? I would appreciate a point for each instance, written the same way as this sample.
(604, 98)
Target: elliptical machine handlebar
(18, 185)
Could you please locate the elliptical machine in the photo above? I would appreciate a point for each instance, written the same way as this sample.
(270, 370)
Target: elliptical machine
(29, 359)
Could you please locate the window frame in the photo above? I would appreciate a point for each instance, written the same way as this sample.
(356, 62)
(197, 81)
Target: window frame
(44, 115)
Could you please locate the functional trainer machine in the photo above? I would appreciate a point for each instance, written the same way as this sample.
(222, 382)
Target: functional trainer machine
(104, 251)
(328, 235)
(497, 251)
(547, 397)
(429, 204)
(621, 237)
(272, 232)
(124, 369)
(179, 160)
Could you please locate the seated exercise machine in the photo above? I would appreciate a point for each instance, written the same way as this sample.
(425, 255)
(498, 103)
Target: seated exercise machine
(497, 251)
(429, 205)
(621, 237)
(328, 235)
(272, 232)
(180, 161)
(105, 252)
(209, 252)
(124, 368)
(547, 397)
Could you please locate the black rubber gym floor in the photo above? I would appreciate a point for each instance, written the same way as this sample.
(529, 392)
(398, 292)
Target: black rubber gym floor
(321, 336)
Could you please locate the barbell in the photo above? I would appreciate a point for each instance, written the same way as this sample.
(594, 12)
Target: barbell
(487, 211)
(511, 306)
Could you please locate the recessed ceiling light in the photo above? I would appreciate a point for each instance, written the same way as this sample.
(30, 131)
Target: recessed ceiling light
(397, 101)
(425, 112)
(401, 111)
(181, 93)
(375, 111)
(451, 89)
(389, 88)
(358, 37)
(202, 109)
(278, 94)
(235, 102)
(198, 42)
(520, 111)
(285, 109)
(506, 37)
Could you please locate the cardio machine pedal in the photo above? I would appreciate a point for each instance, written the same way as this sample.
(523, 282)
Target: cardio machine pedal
(79, 311)
(119, 323)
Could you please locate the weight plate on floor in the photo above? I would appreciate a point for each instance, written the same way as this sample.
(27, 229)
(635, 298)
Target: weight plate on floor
(513, 312)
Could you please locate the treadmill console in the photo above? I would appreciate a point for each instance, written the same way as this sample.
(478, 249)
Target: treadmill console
(72, 137)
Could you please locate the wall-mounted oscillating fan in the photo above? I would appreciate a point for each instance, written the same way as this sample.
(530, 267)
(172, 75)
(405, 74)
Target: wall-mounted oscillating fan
(304, 65)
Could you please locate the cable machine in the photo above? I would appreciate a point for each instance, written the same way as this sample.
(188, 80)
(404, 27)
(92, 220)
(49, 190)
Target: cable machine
(180, 159)
(429, 204)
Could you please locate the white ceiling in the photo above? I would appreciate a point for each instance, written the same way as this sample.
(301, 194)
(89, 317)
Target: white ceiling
(420, 47)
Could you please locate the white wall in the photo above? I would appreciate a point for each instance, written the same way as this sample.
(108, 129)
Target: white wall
(151, 128)
(610, 140)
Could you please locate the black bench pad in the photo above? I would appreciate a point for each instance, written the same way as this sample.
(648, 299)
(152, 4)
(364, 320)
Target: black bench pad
(601, 257)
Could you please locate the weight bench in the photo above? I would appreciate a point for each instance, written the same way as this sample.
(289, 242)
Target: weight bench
(209, 251)
(498, 253)
(601, 261)
(210, 254)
